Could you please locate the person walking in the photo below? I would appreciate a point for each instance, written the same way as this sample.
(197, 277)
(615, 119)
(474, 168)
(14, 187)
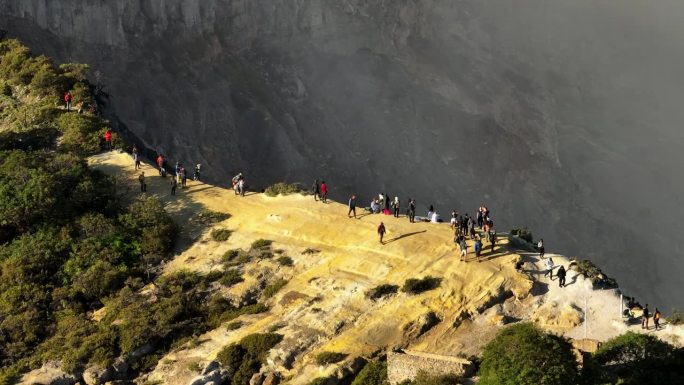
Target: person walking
(492, 238)
(174, 184)
(324, 192)
(67, 100)
(108, 139)
(412, 210)
(656, 318)
(352, 206)
(316, 190)
(644, 318)
(540, 247)
(464, 249)
(549, 268)
(136, 157)
(141, 179)
(381, 231)
(561, 276)
(395, 205)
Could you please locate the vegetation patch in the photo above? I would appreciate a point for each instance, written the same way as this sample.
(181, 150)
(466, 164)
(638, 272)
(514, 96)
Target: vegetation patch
(374, 373)
(261, 244)
(283, 189)
(234, 325)
(382, 291)
(417, 286)
(231, 277)
(247, 356)
(513, 357)
(525, 234)
(327, 358)
(220, 235)
(211, 217)
(310, 251)
(285, 261)
(319, 381)
(588, 269)
(275, 287)
(676, 318)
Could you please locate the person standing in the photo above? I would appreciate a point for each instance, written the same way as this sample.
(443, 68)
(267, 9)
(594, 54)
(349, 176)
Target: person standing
(492, 238)
(108, 139)
(141, 179)
(464, 249)
(316, 190)
(324, 192)
(478, 248)
(381, 231)
(241, 187)
(174, 184)
(196, 177)
(395, 206)
(386, 211)
(136, 157)
(352, 206)
(549, 268)
(561, 276)
(540, 247)
(412, 210)
(160, 165)
(184, 177)
(644, 318)
(656, 318)
(67, 100)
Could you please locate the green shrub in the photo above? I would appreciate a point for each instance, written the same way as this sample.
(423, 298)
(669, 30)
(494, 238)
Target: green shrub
(522, 234)
(265, 254)
(220, 235)
(231, 277)
(319, 381)
(635, 358)
(214, 275)
(282, 188)
(676, 318)
(327, 358)
(416, 286)
(382, 291)
(247, 356)
(230, 255)
(374, 373)
(310, 251)
(273, 288)
(285, 261)
(515, 355)
(261, 244)
(5, 89)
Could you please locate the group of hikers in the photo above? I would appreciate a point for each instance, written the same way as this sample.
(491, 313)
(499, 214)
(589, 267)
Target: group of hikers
(320, 191)
(180, 173)
(634, 308)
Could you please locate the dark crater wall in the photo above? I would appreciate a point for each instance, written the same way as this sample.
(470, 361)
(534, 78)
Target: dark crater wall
(563, 116)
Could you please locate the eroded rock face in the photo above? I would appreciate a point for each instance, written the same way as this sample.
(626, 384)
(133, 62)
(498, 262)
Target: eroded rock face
(528, 105)
(50, 373)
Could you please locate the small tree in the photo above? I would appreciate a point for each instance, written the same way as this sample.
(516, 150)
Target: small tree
(374, 373)
(523, 354)
(634, 358)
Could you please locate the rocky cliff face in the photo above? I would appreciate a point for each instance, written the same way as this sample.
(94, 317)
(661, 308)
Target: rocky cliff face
(562, 116)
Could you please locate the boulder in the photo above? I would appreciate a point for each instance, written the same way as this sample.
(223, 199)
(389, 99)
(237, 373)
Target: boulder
(50, 373)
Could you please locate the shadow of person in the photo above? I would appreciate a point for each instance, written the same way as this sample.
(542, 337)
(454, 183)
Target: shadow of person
(404, 236)
(574, 279)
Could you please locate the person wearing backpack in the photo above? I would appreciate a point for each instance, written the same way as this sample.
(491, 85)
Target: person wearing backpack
(656, 318)
(108, 139)
(67, 100)
(141, 179)
(561, 276)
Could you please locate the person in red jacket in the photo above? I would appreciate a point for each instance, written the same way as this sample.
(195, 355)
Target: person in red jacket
(160, 164)
(108, 139)
(324, 192)
(67, 100)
